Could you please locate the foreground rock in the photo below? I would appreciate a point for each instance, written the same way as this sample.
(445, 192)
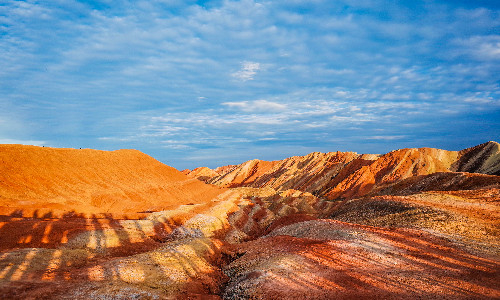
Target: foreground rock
(171, 254)
(326, 259)
(261, 244)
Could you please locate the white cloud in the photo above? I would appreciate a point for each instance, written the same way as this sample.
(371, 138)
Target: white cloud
(174, 145)
(482, 48)
(247, 71)
(159, 130)
(356, 118)
(256, 106)
(490, 49)
(28, 10)
(480, 99)
(23, 142)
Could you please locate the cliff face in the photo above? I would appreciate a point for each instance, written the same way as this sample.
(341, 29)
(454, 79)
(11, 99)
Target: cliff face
(124, 182)
(338, 175)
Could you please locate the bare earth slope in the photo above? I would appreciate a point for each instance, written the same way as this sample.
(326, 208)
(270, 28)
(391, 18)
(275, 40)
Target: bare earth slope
(338, 175)
(484, 158)
(124, 182)
(410, 224)
(310, 173)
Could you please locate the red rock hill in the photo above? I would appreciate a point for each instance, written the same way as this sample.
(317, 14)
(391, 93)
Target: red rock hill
(337, 175)
(123, 182)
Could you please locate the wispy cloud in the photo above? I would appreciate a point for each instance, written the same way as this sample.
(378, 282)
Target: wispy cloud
(23, 142)
(386, 137)
(247, 71)
(257, 105)
(481, 47)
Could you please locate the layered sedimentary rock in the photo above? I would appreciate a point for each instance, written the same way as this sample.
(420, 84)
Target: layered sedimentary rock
(338, 175)
(201, 173)
(484, 158)
(412, 225)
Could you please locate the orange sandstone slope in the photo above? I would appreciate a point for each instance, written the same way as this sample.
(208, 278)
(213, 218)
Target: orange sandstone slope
(201, 173)
(310, 173)
(346, 175)
(415, 164)
(39, 180)
(393, 167)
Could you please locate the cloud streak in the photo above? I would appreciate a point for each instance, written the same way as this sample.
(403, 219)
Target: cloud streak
(257, 105)
(247, 72)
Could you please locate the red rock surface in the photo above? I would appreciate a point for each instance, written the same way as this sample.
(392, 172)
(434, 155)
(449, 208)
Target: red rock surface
(35, 181)
(327, 259)
(338, 175)
(412, 225)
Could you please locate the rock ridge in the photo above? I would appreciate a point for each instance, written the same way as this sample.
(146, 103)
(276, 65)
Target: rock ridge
(343, 175)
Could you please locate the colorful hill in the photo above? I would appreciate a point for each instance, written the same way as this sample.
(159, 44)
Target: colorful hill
(413, 223)
(338, 175)
(40, 180)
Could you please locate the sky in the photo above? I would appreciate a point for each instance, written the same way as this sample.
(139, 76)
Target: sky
(211, 83)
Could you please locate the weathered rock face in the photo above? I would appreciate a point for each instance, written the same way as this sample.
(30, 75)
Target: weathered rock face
(484, 158)
(338, 175)
(201, 173)
(39, 180)
(174, 254)
(326, 259)
(418, 230)
(391, 168)
(311, 173)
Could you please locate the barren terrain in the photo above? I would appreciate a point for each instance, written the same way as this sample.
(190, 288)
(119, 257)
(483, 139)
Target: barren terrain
(412, 223)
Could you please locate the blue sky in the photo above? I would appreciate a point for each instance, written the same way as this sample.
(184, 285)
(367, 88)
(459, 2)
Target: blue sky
(210, 83)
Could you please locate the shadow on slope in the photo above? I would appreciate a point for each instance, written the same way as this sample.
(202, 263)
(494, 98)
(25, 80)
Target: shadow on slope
(327, 259)
(76, 257)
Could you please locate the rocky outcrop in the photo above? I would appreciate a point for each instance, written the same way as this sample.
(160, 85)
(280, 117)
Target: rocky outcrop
(201, 173)
(338, 175)
(484, 158)
(391, 168)
(440, 181)
(311, 173)
(327, 259)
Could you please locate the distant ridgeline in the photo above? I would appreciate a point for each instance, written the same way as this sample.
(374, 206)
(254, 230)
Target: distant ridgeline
(340, 175)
